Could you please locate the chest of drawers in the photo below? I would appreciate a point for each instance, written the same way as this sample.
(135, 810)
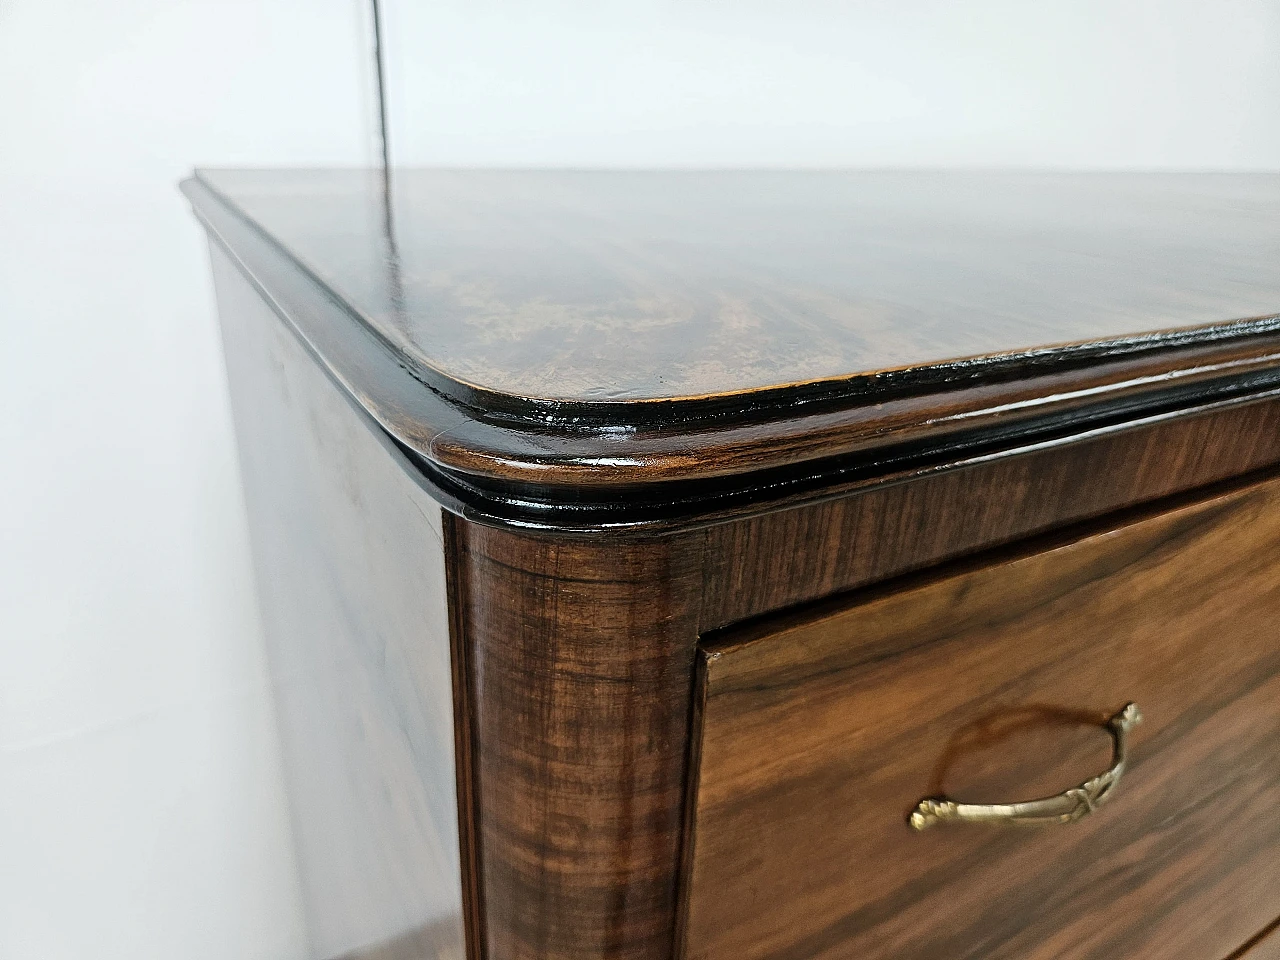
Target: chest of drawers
(761, 565)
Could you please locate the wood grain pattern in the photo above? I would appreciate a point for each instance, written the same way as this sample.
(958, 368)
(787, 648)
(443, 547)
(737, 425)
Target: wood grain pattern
(636, 286)
(580, 658)
(819, 734)
(351, 582)
(779, 559)
(602, 464)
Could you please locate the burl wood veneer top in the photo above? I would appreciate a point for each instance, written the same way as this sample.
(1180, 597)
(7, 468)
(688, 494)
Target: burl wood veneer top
(644, 285)
(555, 343)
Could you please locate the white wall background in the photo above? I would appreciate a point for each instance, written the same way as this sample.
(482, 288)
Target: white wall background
(141, 808)
(879, 83)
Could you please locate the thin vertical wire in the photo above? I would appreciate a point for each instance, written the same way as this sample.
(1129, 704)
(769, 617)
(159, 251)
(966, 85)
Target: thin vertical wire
(388, 223)
(379, 63)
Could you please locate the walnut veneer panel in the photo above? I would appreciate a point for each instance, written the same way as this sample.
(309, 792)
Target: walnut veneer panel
(579, 659)
(819, 735)
(776, 560)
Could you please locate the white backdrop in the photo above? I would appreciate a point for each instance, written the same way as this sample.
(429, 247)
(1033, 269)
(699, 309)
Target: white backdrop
(141, 807)
(877, 83)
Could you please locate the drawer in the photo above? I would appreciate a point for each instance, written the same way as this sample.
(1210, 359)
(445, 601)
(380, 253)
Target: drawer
(819, 735)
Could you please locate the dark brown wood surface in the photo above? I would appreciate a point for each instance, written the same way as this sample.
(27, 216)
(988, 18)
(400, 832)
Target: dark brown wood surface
(634, 286)
(609, 461)
(579, 660)
(779, 559)
(820, 733)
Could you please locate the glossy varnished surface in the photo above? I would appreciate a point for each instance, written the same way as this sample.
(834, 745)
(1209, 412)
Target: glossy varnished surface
(351, 581)
(819, 734)
(635, 286)
(590, 464)
(579, 657)
(776, 560)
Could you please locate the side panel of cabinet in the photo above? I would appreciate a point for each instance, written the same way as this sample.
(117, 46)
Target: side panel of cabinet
(351, 578)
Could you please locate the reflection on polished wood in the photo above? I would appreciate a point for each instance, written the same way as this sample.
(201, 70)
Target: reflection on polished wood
(640, 285)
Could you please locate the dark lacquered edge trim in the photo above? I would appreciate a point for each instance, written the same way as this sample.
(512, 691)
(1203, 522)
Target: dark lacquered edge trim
(411, 416)
(764, 403)
(667, 506)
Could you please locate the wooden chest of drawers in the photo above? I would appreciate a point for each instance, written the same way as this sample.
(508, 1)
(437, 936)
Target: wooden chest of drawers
(759, 565)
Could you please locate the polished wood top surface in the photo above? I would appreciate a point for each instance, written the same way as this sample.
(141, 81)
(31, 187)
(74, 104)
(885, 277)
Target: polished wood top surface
(633, 286)
(578, 350)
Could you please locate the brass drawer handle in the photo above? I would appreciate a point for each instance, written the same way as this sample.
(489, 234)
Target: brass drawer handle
(1063, 808)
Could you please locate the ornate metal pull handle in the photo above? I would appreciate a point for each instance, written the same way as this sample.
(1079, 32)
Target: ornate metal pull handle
(1063, 808)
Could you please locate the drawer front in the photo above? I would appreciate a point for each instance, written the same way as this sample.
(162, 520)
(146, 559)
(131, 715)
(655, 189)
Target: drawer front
(819, 735)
